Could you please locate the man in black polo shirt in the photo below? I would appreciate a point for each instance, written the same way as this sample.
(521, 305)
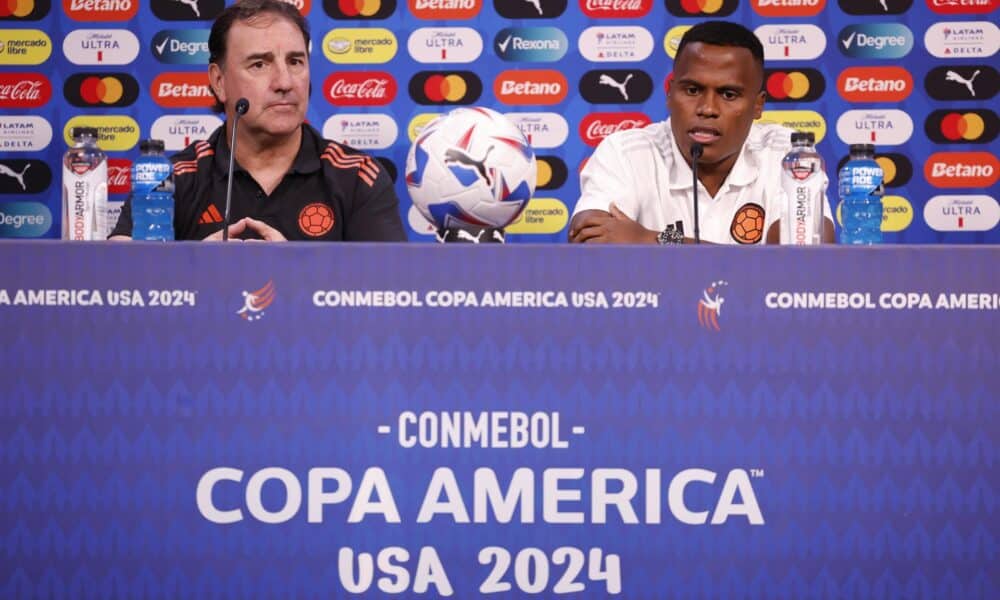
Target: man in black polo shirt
(289, 183)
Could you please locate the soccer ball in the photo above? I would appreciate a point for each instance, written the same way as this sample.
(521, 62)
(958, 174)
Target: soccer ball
(470, 168)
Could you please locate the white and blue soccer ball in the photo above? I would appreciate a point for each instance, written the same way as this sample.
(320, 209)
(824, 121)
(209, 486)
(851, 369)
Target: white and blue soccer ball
(471, 167)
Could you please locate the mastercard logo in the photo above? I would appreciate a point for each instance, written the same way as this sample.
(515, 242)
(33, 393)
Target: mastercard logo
(27, 10)
(802, 85)
(552, 172)
(458, 87)
(101, 89)
(359, 9)
(968, 126)
(685, 8)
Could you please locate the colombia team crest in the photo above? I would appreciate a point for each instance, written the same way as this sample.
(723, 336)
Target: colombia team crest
(316, 219)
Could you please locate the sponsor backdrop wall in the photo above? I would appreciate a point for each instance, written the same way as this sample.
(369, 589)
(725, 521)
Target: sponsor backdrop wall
(915, 77)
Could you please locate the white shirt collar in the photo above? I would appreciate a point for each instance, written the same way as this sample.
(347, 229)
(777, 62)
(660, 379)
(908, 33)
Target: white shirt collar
(744, 172)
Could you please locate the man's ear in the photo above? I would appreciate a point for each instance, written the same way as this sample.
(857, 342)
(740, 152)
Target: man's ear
(215, 80)
(758, 105)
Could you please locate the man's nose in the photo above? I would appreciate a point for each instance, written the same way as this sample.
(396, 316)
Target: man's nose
(708, 105)
(282, 79)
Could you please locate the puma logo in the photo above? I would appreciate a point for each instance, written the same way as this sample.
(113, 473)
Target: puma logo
(193, 5)
(953, 76)
(457, 155)
(537, 4)
(5, 170)
(621, 87)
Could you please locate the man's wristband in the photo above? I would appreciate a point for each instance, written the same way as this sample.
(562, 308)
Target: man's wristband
(673, 234)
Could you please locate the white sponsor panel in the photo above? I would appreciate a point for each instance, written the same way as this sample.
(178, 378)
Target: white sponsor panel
(179, 131)
(543, 129)
(879, 127)
(101, 47)
(374, 131)
(962, 213)
(615, 44)
(433, 45)
(962, 39)
(791, 42)
(24, 134)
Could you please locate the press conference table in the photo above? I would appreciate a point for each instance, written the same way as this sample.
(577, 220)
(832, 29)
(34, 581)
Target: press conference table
(306, 420)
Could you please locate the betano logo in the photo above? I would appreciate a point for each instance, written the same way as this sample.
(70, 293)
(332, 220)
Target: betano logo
(187, 89)
(368, 131)
(615, 44)
(449, 10)
(360, 88)
(541, 216)
(359, 9)
(875, 7)
(875, 84)
(527, 86)
(445, 45)
(791, 42)
(597, 126)
(542, 129)
(875, 40)
(609, 9)
(880, 127)
(24, 47)
(531, 44)
(179, 131)
(971, 82)
(114, 133)
(970, 126)
(24, 90)
(24, 10)
(962, 169)
(788, 8)
(701, 8)
(800, 120)
(962, 39)
(101, 47)
(101, 89)
(551, 172)
(962, 213)
(967, 7)
(256, 301)
(360, 46)
(100, 10)
(24, 134)
(801, 85)
(456, 87)
(672, 40)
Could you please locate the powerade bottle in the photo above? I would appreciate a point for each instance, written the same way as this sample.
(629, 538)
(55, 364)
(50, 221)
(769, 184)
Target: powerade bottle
(85, 188)
(860, 187)
(804, 181)
(152, 194)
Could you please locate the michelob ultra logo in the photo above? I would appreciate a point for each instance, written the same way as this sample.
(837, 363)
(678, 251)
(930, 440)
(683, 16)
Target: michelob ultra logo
(114, 133)
(701, 8)
(615, 44)
(24, 90)
(609, 9)
(799, 85)
(534, 9)
(360, 46)
(875, 7)
(418, 123)
(24, 134)
(966, 126)
(597, 126)
(788, 8)
(800, 120)
(672, 40)
(456, 87)
(101, 47)
(181, 46)
(542, 215)
(879, 127)
(179, 131)
(972, 82)
(551, 172)
(875, 40)
(527, 86)
(966, 7)
(962, 39)
(962, 169)
(186, 89)
(541, 129)
(962, 213)
(24, 176)
(359, 9)
(875, 84)
(101, 89)
(24, 10)
(791, 42)
(368, 131)
(24, 47)
(360, 88)
(445, 45)
(449, 10)
(896, 168)
(100, 10)
(531, 44)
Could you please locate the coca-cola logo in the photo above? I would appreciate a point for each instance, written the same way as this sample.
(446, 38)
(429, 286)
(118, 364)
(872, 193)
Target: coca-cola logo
(119, 176)
(360, 88)
(615, 9)
(24, 90)
(597, 126)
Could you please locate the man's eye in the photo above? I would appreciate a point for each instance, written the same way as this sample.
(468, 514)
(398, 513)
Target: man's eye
(691, 90)
(257, 65)
(730, 95)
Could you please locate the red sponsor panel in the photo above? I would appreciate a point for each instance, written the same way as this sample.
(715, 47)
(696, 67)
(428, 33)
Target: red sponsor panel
(788, 8)
(182, 90)
(597, 126)
(24, 90)
(962, 169)
(101, 10)
(445, 9)
(304, 6)
(615, 9)
(119, 176)
(875, 84)
(963, 7)
(530, 86)
(360, 88)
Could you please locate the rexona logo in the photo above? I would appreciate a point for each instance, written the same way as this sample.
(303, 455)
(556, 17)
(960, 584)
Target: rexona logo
(119, 176)
(187, 10)
(101, 47)
(672, 39)
(24, 134)
(896, 168)
(179, 131)
(801, 120)
(445, 9)
(875, 40)
(542, 215)
(359, 9)
(24, 10)
(445, 45)
(875, 84)
(788, 8)
(612, 9)
(181, 46)
(456, 87)
(875, 7)
(114, 133)
(182, 90)
(962, 39)
(101, 89)
(360, 46)
(615, 44)
(24, 47)
(20, 176)
(369, 131)
(962, 169)
(689, 8)
(24, 90)
(616, 86)
(530, 87)
(360, 88)
(551, 172)
(597, 126)
(967, 126)
(100, 10)
(542, 129)
(962, 213)
(791, 42)
(531, 9)
(800, 85)
(974, 82)
(966, 7)
(24, 219)
(531, 44)
(880, 127)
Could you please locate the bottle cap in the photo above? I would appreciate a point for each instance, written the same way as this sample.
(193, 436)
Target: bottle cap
(803, 136)
(862, 149)
(151, 145)
(83, 131)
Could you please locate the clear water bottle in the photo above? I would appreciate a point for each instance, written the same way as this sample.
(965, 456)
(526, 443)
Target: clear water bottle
(860, 187)
(804, 181)
(152, 193)
(85, 188)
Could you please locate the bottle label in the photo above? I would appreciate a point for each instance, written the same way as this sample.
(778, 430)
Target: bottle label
(804, 184)
(85, 202)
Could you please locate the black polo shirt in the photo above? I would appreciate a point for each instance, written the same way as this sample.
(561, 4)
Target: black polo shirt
(332, 192)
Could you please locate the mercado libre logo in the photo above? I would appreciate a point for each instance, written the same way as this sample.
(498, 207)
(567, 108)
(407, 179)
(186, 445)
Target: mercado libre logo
(24, 10)
(255, 302)
(359, 9)
(701, 8)
(710, 306)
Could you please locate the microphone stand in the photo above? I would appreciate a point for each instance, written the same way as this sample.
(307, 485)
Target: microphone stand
(242, 106)
(696, 150)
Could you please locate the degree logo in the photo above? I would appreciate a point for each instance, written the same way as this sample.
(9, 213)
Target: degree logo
(875, 7)
(457, 87)
(551, 172)
(24, 10)
(114, 133)
(597, 126)
(541, 129)
(972, 82)
(800, 85)
(616, 86)
(24, 47)
(968, 126)
(445, 45)
(701, 8)
(450, 10)
(788, 8)
(24, 219)
(791, 42)
(531, 9)
(187, 89)
(962, 213)
(90, 90)
(962, 169)
(968, 7)
(100, 10)
(372, 45)
(875, 84)
(20, 176)
(527, 86)
(610, 9)
(896, 168)
(875, 40)
(181, 46)
(101, 47)
(359, 9)
(24, 90)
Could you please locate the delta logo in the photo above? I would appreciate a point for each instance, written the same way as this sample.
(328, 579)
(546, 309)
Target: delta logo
(115, 133)
(24, 134)
(875, 84)
(962, 39)
(360, 88)
(20, 176)
(972, 82)
(359, 9)
(24, 90)
(885, 127)
(531, 9)
(614, 9)
(24, 10)
(182, 90)
(896, 168)
(372, 45)
(529, 86)
(875, 7)
(100, 10)
(531, 44)
(99, 47)
(788, 8)
(445, 10)
(616, 86)
(541, 129)
(24, 47)
(615, 44)
(962, 169)
(963, 7)
(976, 212)
(119, 176)
(437, 45)
(701, 8)
(88, 90)
(368, 131)
(187, 10)
(456, 87)
(968, 126)
(551, 172)
(800, 85)
(875, 40)
(791, 42)
(597, 126)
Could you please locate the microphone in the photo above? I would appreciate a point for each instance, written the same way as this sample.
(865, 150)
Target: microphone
(242, 106)
(696, 150)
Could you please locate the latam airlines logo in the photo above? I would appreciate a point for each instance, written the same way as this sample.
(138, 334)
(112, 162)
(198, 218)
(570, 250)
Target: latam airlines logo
(445, 45)
(370, 45)
(962, 213)
(968, 126)
(360, 88)
(616, 86)
(526, 86)
(24, 47)
(181, 46)
(24, 134)
(531, 9)
(531, 44)
(875, 7)
(875, 84)
(615, 9)
(187, 10)
(542, 129)
(368, 131)
(880, 127)
(962, 39)
(445, 9)
(597, 126)
(800, 85)
(100, 10)
(968, 7)
(24, 90)
(359, 9)
(615, 44)
(89, 90)
(973, 82)
(875, 40)
(788, 8)
(24, 10)
(182, 90)
(455, 87)
(962, 169)
(20, 176)
(791, 42)
(179, 131)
